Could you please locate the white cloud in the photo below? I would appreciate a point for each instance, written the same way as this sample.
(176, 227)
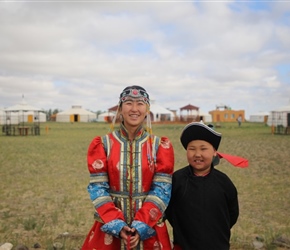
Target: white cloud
(203, 53)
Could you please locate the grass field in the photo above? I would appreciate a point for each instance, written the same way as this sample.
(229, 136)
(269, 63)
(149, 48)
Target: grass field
(43, 196)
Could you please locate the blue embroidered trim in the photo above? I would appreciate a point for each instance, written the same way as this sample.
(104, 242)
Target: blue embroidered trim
(156, 146)
(99, 192)
(143, 229)
(113, 227)
(160, 192)
(106, 145)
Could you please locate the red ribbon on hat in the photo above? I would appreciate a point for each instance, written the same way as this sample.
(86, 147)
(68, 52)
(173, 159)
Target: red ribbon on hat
(236, 161)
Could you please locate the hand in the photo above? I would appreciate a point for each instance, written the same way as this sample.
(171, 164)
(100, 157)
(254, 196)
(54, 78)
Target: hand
(125, 232)
(134, 239)
(130, 236)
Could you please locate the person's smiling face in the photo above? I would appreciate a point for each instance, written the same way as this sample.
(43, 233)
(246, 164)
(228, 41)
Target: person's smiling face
(134, 111)
(200, 155)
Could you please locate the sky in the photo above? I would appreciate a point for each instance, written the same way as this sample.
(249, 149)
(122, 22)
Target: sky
(57, 54)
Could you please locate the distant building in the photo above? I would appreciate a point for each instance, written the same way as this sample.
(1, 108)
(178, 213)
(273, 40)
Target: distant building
(11, 118)
(205, 117)
(279, 119)
(106, 116)
(21, 119)
(160, 114)
(259, 117)
(21, 113)
(76, 114)
(224, 113)
(189, 113)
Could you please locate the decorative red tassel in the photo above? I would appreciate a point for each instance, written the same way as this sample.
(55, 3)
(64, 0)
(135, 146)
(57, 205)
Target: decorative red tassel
(236, 161)
(128, 242)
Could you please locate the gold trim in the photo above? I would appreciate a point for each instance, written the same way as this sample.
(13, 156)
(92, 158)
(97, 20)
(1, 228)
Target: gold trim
(156, 200)
(162, 178)
(96, 179)
(101, 200)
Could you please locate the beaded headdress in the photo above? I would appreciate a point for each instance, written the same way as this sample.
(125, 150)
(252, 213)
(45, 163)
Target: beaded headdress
(135, 92)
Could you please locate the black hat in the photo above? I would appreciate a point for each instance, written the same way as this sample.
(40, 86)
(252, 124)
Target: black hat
(200, 131)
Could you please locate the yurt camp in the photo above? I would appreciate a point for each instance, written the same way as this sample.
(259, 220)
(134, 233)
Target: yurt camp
(76, 114)
(23, 112)
(22, 119)
(4, 119)
(205, 117)
(160, 114)
(106, 116)
(259, 117)
(279, 119)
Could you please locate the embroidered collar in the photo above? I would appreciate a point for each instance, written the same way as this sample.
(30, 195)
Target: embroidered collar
(139, 131)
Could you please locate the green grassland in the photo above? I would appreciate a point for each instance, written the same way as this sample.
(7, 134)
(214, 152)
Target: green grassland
(43, 180)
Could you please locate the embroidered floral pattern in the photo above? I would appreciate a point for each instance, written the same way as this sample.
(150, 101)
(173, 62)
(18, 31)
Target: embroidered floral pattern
(114, 227)
(165, 143)
(153, 214)
(98, 164)
(160, 195)
(108, 239)
(91, 236)
(98, 190)
(143, 229)
(157, 245)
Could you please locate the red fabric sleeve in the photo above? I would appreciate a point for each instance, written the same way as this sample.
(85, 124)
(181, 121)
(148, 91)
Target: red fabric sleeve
(96, 157)
(97, 164)
(165, 157)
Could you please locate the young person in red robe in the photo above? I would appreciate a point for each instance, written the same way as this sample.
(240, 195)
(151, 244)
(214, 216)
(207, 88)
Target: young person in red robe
(130, 180)
(204, 201)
